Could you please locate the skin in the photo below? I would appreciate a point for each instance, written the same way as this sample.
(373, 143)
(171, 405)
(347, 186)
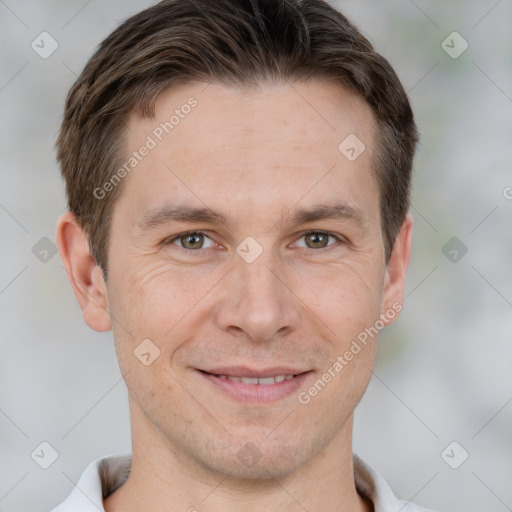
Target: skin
(255, 155)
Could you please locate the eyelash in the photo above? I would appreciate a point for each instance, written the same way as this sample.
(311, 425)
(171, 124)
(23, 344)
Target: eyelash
(304, 233)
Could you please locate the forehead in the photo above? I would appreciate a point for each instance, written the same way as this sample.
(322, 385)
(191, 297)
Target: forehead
(245, 149)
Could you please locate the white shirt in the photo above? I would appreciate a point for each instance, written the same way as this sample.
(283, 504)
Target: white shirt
(103, 476)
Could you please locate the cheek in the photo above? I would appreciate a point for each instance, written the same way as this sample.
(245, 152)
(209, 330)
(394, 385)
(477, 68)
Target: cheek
(155, 300)
(347, 298)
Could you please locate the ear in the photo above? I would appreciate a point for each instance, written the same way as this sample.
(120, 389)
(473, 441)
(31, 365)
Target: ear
(84, 274)
(394, 281)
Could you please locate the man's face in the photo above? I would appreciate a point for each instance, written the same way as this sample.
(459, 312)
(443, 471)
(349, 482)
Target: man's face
(256, 296)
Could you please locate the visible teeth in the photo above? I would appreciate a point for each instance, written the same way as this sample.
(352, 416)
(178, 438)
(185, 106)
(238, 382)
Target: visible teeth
(250, 380)
(263, 381)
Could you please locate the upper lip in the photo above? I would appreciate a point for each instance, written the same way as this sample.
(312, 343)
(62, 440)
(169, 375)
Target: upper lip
(243, 371)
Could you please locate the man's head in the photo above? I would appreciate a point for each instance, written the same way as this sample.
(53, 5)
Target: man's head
(238, 43)
(259, 228)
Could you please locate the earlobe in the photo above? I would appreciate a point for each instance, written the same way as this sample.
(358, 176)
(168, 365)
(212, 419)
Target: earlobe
(84, 275)
(396, 271)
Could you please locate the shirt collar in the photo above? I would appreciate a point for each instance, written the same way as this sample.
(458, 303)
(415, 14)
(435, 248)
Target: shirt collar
(103, 476)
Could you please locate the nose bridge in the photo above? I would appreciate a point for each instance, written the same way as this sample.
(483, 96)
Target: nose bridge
(261, 285)
(260, 302)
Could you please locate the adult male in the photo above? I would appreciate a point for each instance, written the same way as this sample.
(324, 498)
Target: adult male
(238, 178)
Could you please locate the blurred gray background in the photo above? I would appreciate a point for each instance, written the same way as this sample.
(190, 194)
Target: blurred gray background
(444, 371)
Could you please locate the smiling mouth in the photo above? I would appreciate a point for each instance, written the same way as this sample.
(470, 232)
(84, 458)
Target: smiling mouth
(255, 389)
(262, 381)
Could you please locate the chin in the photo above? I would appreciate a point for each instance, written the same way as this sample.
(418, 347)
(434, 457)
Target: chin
(259, 461)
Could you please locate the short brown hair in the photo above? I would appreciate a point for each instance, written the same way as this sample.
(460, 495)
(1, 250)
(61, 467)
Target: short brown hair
(237, 43)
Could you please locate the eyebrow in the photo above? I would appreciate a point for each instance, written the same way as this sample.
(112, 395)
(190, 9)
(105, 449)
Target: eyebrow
(169, 214)
(336, 211)
(180, 213)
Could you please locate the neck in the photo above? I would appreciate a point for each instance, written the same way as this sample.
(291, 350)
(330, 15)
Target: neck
(164, 479)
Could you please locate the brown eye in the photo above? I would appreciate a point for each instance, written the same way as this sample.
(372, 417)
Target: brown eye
(316, 240)
(193, 241)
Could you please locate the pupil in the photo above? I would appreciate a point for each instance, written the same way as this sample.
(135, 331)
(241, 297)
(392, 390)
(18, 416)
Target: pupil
(317, 238)
(193, 240)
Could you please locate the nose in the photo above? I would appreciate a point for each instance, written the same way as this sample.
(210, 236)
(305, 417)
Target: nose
(257, 300)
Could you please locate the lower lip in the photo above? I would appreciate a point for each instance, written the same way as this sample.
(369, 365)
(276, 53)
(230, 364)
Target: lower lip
(257, 393)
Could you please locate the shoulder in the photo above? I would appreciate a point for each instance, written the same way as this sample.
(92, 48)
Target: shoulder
(99, 479)
(372, 485)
